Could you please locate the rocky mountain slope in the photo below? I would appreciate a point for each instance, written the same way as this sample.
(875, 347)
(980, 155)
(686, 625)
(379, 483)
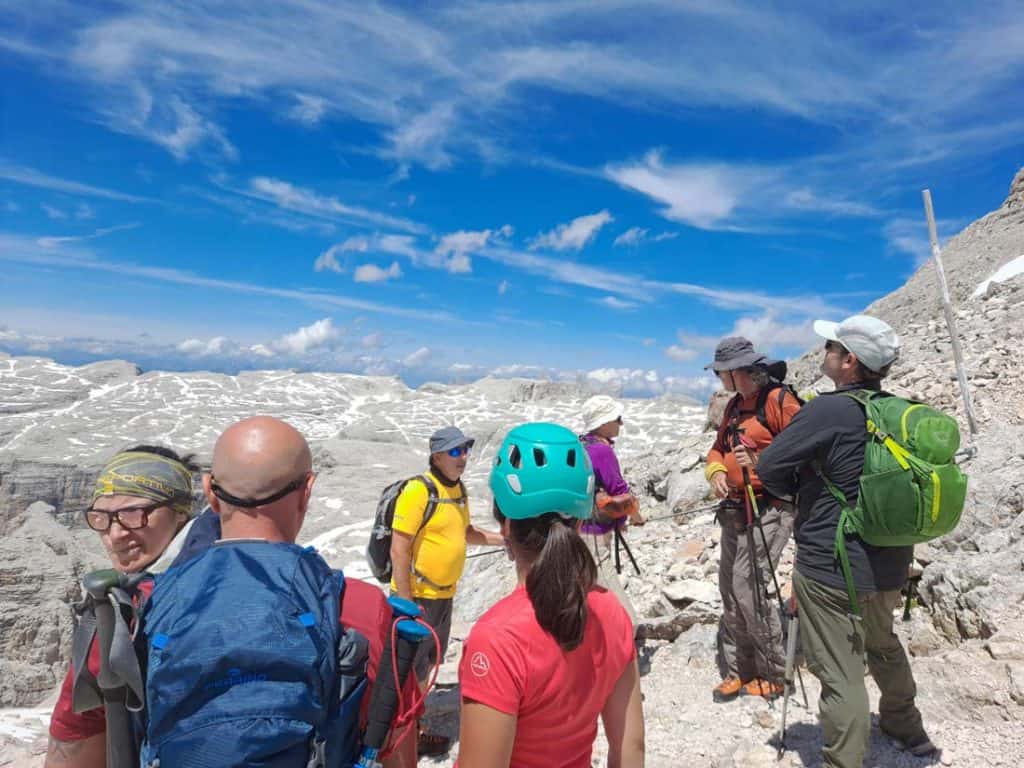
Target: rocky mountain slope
(966, 635)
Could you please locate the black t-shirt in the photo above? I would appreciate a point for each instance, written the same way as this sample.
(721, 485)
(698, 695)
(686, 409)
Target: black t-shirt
(831, 430)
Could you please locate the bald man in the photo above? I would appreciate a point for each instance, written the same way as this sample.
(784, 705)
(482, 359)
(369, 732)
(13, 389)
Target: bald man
(260, 484)
(261, 480)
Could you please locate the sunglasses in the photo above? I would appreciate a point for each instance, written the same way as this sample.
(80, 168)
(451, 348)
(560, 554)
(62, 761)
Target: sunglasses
(834, 346)
(462, 450)
(129, 518)
(235, 501)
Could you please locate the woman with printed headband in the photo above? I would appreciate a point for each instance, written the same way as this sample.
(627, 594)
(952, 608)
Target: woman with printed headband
(541, 666)
(142, 509)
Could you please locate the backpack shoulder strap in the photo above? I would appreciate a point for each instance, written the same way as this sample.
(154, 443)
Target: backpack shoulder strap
(432, 499)
(840, 540)
(760, 411)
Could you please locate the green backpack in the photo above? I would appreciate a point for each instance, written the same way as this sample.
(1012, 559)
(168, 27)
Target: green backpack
(910, 490)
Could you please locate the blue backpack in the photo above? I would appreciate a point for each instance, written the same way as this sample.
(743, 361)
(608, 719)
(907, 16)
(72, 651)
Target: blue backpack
(248, 664)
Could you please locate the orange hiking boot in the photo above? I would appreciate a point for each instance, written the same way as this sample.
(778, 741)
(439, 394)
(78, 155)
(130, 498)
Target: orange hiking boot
(763, 688)
(727, 690)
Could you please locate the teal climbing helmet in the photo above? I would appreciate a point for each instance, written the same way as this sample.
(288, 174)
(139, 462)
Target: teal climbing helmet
(542, 468)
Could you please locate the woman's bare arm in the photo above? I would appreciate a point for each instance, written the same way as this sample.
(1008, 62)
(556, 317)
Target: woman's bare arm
(623, 718)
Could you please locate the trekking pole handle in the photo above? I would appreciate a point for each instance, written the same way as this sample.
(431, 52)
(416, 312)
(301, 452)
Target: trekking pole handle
(97, 586)
(384, 699)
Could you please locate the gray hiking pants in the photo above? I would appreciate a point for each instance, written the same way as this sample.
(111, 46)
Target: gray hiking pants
(602, 547)
(835, 646)
(750, 640)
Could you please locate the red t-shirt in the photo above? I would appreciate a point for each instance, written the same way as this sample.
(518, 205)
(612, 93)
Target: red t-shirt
(512, 665)
(364, 609)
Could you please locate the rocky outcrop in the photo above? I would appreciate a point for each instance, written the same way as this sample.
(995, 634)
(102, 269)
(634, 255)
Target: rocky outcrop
(41, 563)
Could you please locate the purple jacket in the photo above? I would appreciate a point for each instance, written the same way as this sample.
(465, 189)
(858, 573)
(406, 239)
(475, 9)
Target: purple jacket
(607, 477)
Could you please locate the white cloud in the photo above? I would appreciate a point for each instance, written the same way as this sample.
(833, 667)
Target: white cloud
(768, 332)
(309, 109)
(702, 195)
(328, 260)
(218, 345)
(166, 120)
(631, 236)
(370, 340)
(680, 354)
(55, 214)
(418, 358)
(455, 248)
(84, 212)
(286, 195)
(574, 235)
(371, 273)
(619, 305)
(322, 333)
(503, 287)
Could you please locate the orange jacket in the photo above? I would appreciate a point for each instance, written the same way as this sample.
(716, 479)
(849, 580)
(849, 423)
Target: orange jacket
(741, 414)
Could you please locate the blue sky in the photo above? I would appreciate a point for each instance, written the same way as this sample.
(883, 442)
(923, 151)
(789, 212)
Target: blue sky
(448, 190)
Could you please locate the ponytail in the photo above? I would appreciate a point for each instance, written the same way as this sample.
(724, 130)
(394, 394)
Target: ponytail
(561, 574)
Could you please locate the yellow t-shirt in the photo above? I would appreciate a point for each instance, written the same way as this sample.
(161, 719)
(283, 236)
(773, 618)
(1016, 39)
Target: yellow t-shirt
(439, 550)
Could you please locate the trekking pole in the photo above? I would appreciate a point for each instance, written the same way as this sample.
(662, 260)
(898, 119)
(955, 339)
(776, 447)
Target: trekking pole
(755, 572)
(485, 553)
(385, 696)
(620, 539)
(788, 683)
(691, 511)
(121, 752)
(947, 308)
(785, 617)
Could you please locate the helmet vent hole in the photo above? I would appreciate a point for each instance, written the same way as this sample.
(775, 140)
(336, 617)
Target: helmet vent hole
(570, 458)
(539, 458)
(515, 458)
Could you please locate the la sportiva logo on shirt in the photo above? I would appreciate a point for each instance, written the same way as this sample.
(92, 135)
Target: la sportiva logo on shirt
(479, 664)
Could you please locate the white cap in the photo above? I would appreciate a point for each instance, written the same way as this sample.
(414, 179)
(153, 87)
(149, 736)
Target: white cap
(873, 341)
(599, 410)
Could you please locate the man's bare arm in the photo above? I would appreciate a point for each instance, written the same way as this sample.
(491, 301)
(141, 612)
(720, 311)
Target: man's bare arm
(83, 753)
(401, 563)
(477, 536)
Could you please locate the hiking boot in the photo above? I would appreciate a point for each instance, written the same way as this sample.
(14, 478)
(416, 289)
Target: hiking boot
(763, 688)
(432, 745)
(918, 746)
(727, 690)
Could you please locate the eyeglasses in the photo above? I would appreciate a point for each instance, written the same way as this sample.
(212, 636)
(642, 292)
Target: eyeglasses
(462, 450)
(235, 501)
(129, 518)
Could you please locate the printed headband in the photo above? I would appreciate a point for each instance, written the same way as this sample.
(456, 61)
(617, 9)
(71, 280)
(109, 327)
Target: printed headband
(149, 476)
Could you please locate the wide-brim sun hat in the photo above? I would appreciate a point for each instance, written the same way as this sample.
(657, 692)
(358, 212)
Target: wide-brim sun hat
(541, 468)
(734, 352)
(873, 341)
(599, 410)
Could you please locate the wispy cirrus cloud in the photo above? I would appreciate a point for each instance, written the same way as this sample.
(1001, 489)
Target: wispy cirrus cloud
(435, 79)
(308, 202)
(54, 241)
(573, 235)
(15, 248)
(34, 178)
